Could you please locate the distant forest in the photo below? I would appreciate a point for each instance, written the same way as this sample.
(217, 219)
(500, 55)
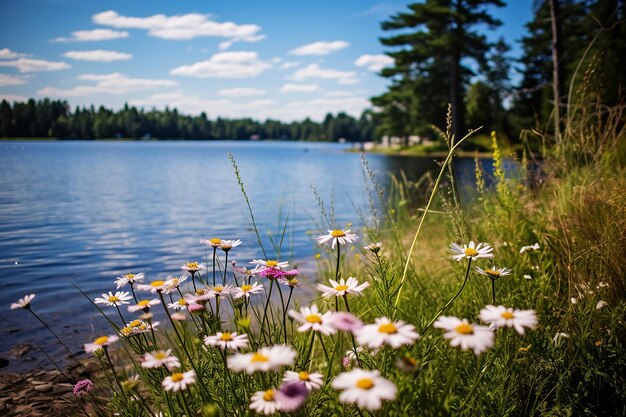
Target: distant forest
(54, 119)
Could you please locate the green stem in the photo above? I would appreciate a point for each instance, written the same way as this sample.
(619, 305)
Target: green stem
(308, 355)
(225, 268)
(282, 303)
(193, 281)
(267, 302)
(338, 260)
(493, 290)
(214, 251)
(106, 352)
(356, 354)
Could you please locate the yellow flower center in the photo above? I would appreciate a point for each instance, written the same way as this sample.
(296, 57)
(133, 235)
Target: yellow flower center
(598, 343)
(464, 328)
(101, 340)
(182, 302)
(177, 377)
(313, 318)
(304, 376)
(246, 288)
(114, 298)
(257, 357)
(130, 276)
(218, 288)
(492, 272)
(160, 355)
(471, 252)
(126, 331)
(192, 265)
(157, 283)
(271, 264)
(506, 315)
(388, 328)
(365, 383)
(215, 241)
(341, 287)
(226, 337)
(134, 323)
(268, 395)
(523, 349)
(143, 303)
(337, 233)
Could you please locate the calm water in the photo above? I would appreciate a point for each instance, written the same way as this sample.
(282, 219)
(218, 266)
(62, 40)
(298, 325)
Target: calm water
(86, 212)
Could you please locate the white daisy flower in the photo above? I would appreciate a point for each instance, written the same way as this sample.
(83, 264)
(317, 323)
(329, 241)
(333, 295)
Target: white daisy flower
(117, 299)
(343, 237)
(493, 272)
(385, 331)
(246, 290)
(466, 335)
(144, 304)
(343, 287)
(264, 402)
(529, 248)
(265, 359)
(601, 304)
(172, 283)
(225, 340)
(312, 319)
(312, 381)
(100, 343)
(213, 242)
(557, 337)
(23, 302)
(501, 316)
(160, 358)
(374, 247)
(201, 296)
(193, 267)
(221, 291)
(178, 381)
(181, 304)
(227, 245)
(471, 251)
(270, 263)
(129, 279)
(154, 287)
(366, 389)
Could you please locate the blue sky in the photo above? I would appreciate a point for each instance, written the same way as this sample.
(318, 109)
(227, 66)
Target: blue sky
(281, 59)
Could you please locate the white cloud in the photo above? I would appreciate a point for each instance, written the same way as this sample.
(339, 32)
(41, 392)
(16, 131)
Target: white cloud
(6, 53)
(34, 65)
(98, 55)
(225, 65)
(314, 71)
(320, 48)
(241, 92)
(93, 35)
(6, 79)
(11, 98)
(317, 108)
(114, 83)
(182, 27)
(339, 93)
(299, 88)
(287, 65)
(374, 62)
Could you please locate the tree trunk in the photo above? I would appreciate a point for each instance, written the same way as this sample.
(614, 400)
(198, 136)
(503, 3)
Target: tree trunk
(556, 68)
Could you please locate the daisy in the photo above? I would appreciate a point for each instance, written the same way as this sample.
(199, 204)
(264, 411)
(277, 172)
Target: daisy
(178, 316)
(471, 251)
(501, 316)
(100, 343)
(385, 331)
(248, 273)
(192, 267)
(129, 279)
(23, 302)
(343, 287)
(160, 358)
(221, 291)
(290, 281)
(601, 304)
(312, 319)
(345, 322)
(366, 389)
(117, 299)
(557, 337)
(201, 296)
(181, 304)
(144, 305)
(466, 335)
(227, 245)
(172, 283)
(342, 237)
(374, 247)
(178, 381)
(154, 287)
(264, 402)
(529, 248)
(246, 290)
(272, 273)
(213, 242)
(265, 359)
(493, 272)
(290, 396)
(407, 363)
(231, 341)
(311, 381)
(270, 263)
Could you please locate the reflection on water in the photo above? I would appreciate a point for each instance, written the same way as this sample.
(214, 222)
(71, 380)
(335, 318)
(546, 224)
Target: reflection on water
(85, 212)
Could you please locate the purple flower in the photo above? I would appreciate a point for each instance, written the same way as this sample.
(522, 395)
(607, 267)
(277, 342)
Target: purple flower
(345, 322)
(291, 396)
(82, 387)
(272, 273)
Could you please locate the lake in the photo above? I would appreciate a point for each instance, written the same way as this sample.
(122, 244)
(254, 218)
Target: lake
(86, 212)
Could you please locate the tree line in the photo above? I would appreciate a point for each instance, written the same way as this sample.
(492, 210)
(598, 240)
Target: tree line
(54, 119)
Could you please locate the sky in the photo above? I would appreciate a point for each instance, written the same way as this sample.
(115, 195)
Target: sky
(279, 59)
